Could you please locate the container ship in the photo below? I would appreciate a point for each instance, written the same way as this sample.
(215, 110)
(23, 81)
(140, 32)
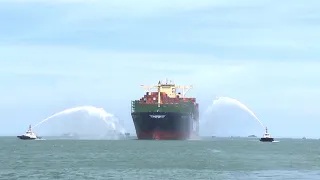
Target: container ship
(165, 114)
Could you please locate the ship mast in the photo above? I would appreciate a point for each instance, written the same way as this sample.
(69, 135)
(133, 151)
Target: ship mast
(266, 130)
(159, 93)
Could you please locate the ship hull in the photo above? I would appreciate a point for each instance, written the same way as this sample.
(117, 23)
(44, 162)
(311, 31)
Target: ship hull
(266, 139)
(26, 138)
(164, 125)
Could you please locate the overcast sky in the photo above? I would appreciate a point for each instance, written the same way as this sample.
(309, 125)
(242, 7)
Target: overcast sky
(58, 54)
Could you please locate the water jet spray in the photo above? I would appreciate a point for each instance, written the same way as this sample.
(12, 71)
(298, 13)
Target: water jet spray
(228, 100)
(108, 118)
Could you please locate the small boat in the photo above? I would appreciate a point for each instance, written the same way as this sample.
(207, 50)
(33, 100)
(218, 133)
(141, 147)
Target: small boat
(266, 137)
(28, 135)
(69, 135)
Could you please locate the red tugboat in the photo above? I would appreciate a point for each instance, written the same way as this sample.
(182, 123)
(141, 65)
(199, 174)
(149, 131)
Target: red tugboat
(165, 114)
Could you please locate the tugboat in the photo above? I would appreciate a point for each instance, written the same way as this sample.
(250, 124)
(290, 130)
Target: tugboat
(28, 135)
(266, 137)
(127, 134)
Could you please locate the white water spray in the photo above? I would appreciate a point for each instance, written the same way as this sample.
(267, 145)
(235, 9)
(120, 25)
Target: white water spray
(228, 100)
(109, 119)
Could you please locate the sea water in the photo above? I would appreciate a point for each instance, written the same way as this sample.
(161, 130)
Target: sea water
(210, 158)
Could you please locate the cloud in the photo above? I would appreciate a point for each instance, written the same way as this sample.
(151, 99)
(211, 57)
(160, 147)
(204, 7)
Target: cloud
(206, 27)
(69, 69)
(97, 9)
(214, 76)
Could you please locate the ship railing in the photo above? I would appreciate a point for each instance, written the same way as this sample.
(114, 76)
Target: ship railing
(141, 102)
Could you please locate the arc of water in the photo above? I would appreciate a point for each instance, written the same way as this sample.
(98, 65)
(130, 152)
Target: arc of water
(91, 111)
(236, 102)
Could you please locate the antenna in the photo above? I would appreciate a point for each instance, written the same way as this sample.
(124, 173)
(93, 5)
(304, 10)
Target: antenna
(266, 129)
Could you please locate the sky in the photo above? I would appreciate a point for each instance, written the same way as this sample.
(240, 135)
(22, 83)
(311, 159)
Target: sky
(58, 54)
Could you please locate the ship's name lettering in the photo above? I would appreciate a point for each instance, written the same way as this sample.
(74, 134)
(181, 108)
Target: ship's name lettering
(157, 116)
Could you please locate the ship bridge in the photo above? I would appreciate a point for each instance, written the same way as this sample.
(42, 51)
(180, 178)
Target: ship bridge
(169, 88)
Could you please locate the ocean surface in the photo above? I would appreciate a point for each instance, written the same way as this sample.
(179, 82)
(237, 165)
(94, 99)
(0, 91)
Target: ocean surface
(211, 158)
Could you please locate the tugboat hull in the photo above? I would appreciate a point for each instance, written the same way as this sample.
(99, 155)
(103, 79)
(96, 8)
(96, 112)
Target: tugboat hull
(26, 138)
(266, 139)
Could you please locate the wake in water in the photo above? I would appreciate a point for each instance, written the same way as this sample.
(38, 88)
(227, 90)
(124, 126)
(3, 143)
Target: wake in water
(230, 101)
(111, 122)
(39, 139)
(194, 138)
